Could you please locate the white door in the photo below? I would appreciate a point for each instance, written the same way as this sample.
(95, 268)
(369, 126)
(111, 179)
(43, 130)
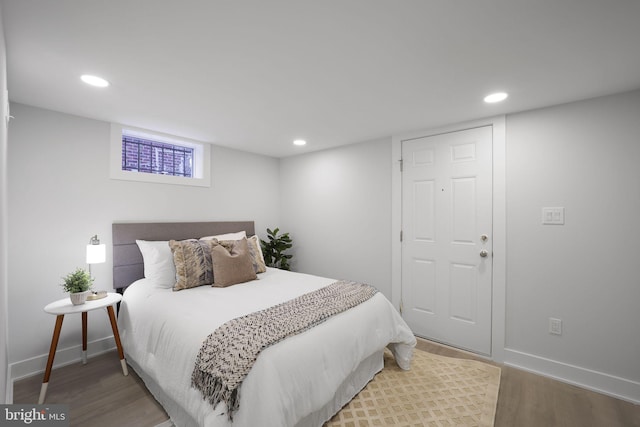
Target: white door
(447, 237)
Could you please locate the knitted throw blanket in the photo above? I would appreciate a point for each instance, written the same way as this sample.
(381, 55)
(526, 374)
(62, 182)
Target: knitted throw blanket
(227, 355)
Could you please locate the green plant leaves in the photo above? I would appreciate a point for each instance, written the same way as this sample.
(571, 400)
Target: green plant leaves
(273, 249)
(77, 281)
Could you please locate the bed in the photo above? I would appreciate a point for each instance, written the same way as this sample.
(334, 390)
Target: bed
(302, 380)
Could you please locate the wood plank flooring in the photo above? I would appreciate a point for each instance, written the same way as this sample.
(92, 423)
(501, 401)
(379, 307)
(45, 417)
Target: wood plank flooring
(99, 395)
(530, 400)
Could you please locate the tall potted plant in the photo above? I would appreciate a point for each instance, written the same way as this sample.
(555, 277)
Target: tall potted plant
(274, 248)
(77, 284)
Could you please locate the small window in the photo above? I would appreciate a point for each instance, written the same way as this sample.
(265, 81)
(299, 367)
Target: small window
(153, 157)
(150, 156)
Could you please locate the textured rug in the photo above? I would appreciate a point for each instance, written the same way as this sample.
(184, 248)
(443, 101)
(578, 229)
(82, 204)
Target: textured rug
(437, 391)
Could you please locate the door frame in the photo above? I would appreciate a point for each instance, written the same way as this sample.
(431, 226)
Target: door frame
(498, 298)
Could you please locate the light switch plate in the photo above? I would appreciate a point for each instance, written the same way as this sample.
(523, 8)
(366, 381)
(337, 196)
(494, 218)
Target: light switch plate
(553, 216)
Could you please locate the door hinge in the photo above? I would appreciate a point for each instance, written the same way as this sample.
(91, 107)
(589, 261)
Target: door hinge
(401, 307)
(401, 235)
(401, 165)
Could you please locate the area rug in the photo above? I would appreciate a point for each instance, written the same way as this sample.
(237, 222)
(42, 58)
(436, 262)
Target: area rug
(437, 391)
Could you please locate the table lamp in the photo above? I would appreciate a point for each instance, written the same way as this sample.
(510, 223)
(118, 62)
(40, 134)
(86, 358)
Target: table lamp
(96, 252)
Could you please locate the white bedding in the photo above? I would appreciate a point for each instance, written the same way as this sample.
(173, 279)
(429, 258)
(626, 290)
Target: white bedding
(162, 332)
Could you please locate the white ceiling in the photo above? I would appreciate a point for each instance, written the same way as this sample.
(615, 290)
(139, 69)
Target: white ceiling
(256, 74)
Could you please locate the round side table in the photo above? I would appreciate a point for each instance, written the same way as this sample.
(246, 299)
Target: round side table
(64, 306)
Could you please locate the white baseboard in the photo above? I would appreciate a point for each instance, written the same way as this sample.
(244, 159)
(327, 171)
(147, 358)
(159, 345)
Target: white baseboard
(600, 382)
(64, 356)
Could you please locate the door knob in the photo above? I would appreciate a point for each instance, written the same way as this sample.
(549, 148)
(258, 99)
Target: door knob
(484, 253)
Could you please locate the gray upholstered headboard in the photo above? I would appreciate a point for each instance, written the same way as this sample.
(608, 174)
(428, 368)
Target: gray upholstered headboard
(127, 259)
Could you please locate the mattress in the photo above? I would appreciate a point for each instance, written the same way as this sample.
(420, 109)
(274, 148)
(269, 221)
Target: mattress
(302, 380)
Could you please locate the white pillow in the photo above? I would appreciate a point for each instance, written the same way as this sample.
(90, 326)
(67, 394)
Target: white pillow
(158, 262)
(228, 236)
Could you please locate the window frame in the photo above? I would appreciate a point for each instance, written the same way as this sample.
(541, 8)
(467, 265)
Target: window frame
(201, 162)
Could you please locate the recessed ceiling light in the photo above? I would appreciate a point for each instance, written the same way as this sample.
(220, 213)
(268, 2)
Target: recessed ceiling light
(94, 80)
(300, 142)
(496, 97)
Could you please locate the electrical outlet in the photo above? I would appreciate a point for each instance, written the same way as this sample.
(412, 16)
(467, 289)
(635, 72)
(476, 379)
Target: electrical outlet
(555, 326)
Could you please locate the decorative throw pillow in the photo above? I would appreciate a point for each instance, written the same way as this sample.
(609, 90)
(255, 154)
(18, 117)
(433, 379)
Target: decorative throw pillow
(233, 265)
(256, 254)
(158, 262)
(254, 250)
(192, 259)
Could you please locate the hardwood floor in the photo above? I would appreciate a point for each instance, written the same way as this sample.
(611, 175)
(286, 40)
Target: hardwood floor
(530, 400)
(99, 395)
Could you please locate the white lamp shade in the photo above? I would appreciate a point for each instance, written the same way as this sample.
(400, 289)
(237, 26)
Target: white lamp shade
(96, 254)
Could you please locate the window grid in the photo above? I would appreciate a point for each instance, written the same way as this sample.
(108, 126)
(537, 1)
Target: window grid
(148, 156)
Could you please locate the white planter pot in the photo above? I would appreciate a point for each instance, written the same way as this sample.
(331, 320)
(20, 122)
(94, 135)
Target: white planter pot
(78, 298)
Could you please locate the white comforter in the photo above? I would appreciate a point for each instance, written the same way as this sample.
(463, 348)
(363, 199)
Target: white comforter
(162, 332)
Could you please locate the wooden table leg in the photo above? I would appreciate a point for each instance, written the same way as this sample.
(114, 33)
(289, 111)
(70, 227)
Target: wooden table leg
(116, 335)
(84, 337)
(52, 354)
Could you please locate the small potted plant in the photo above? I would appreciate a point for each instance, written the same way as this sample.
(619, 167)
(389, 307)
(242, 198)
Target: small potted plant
(273, 249)
(77, 284)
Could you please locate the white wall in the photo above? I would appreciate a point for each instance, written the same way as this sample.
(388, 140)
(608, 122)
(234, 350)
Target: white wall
(336, 204)
(584, 157)
(60, 195)
(3, 219)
